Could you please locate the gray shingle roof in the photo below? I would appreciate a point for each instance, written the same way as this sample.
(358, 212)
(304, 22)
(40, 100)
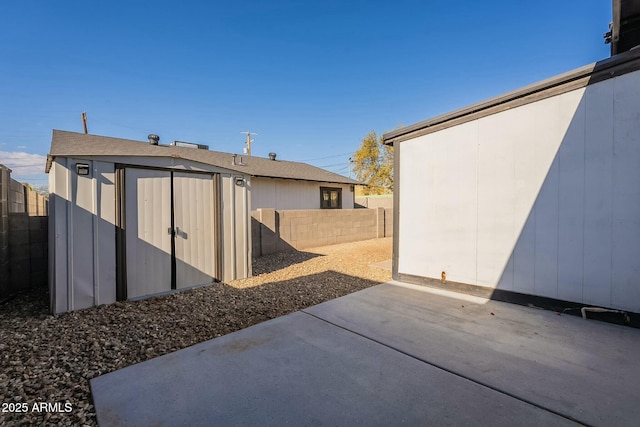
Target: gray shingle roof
(70, 144)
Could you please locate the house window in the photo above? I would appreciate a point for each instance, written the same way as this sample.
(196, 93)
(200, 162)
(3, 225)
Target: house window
(330, 198)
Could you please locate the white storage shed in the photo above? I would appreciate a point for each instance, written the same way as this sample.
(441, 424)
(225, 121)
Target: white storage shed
(535, 193)
(129, 219)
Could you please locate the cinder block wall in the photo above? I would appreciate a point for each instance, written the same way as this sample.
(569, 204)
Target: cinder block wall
(4, 226)
(278, 231)
(27, 253)
(23, 236)
(388, 222)
(37, 204)
(39, 250)
(374, 201)
(17, 196)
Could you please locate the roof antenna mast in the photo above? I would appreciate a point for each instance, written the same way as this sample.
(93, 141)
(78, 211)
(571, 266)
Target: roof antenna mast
(247, 150)
(84, 121)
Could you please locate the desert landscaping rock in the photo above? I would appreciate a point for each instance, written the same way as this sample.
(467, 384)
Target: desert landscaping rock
(49, 360)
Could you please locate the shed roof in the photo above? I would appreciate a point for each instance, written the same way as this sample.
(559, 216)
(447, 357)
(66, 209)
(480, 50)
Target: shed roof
(71, 144)
(624, 32)
(608, 68)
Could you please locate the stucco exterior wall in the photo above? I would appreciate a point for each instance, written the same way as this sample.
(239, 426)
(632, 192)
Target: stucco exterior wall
(287, 194)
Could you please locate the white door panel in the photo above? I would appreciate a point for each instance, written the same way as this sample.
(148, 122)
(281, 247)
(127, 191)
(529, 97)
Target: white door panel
(147, 221)
(194, 222)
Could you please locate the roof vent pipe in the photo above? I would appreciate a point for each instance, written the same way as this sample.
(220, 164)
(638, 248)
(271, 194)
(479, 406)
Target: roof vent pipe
(272, 156)
(153, 139)
(234, 160)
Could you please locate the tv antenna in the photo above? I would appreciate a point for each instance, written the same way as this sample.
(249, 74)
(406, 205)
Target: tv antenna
(249, 141)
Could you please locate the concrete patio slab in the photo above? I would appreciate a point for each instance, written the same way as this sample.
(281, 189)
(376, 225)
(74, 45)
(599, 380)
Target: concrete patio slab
(586, 370)
(392, 354)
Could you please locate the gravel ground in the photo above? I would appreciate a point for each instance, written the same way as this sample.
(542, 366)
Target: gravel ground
(50, 360)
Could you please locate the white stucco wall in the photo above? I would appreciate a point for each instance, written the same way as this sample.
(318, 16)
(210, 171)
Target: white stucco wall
(287, 194)
(542, 199)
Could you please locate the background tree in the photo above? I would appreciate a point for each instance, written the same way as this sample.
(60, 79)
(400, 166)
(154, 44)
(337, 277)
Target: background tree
(373, 165)
(41, 188)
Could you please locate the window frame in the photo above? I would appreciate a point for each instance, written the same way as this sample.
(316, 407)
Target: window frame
(338, 190)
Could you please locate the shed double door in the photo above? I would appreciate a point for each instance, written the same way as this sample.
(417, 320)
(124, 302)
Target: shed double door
(169, 229)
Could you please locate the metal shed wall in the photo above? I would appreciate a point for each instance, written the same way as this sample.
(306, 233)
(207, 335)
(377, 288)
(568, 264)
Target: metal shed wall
(82, 244)
(81, 224)
(540, 199)
(236, 230)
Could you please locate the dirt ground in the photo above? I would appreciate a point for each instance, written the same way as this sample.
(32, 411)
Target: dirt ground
(46, 361)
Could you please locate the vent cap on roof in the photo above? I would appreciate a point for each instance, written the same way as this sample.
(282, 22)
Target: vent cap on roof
(272, 156)
(190, 145)
(153, 139)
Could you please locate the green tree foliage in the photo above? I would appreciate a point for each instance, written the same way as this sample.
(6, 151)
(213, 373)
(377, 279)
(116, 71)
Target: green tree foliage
(373, 165)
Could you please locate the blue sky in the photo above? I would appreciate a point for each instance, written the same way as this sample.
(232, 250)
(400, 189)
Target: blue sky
(311, 78)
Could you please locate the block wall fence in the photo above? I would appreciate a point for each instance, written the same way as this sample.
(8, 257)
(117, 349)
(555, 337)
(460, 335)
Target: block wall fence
(286, 230)
(23, 236)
